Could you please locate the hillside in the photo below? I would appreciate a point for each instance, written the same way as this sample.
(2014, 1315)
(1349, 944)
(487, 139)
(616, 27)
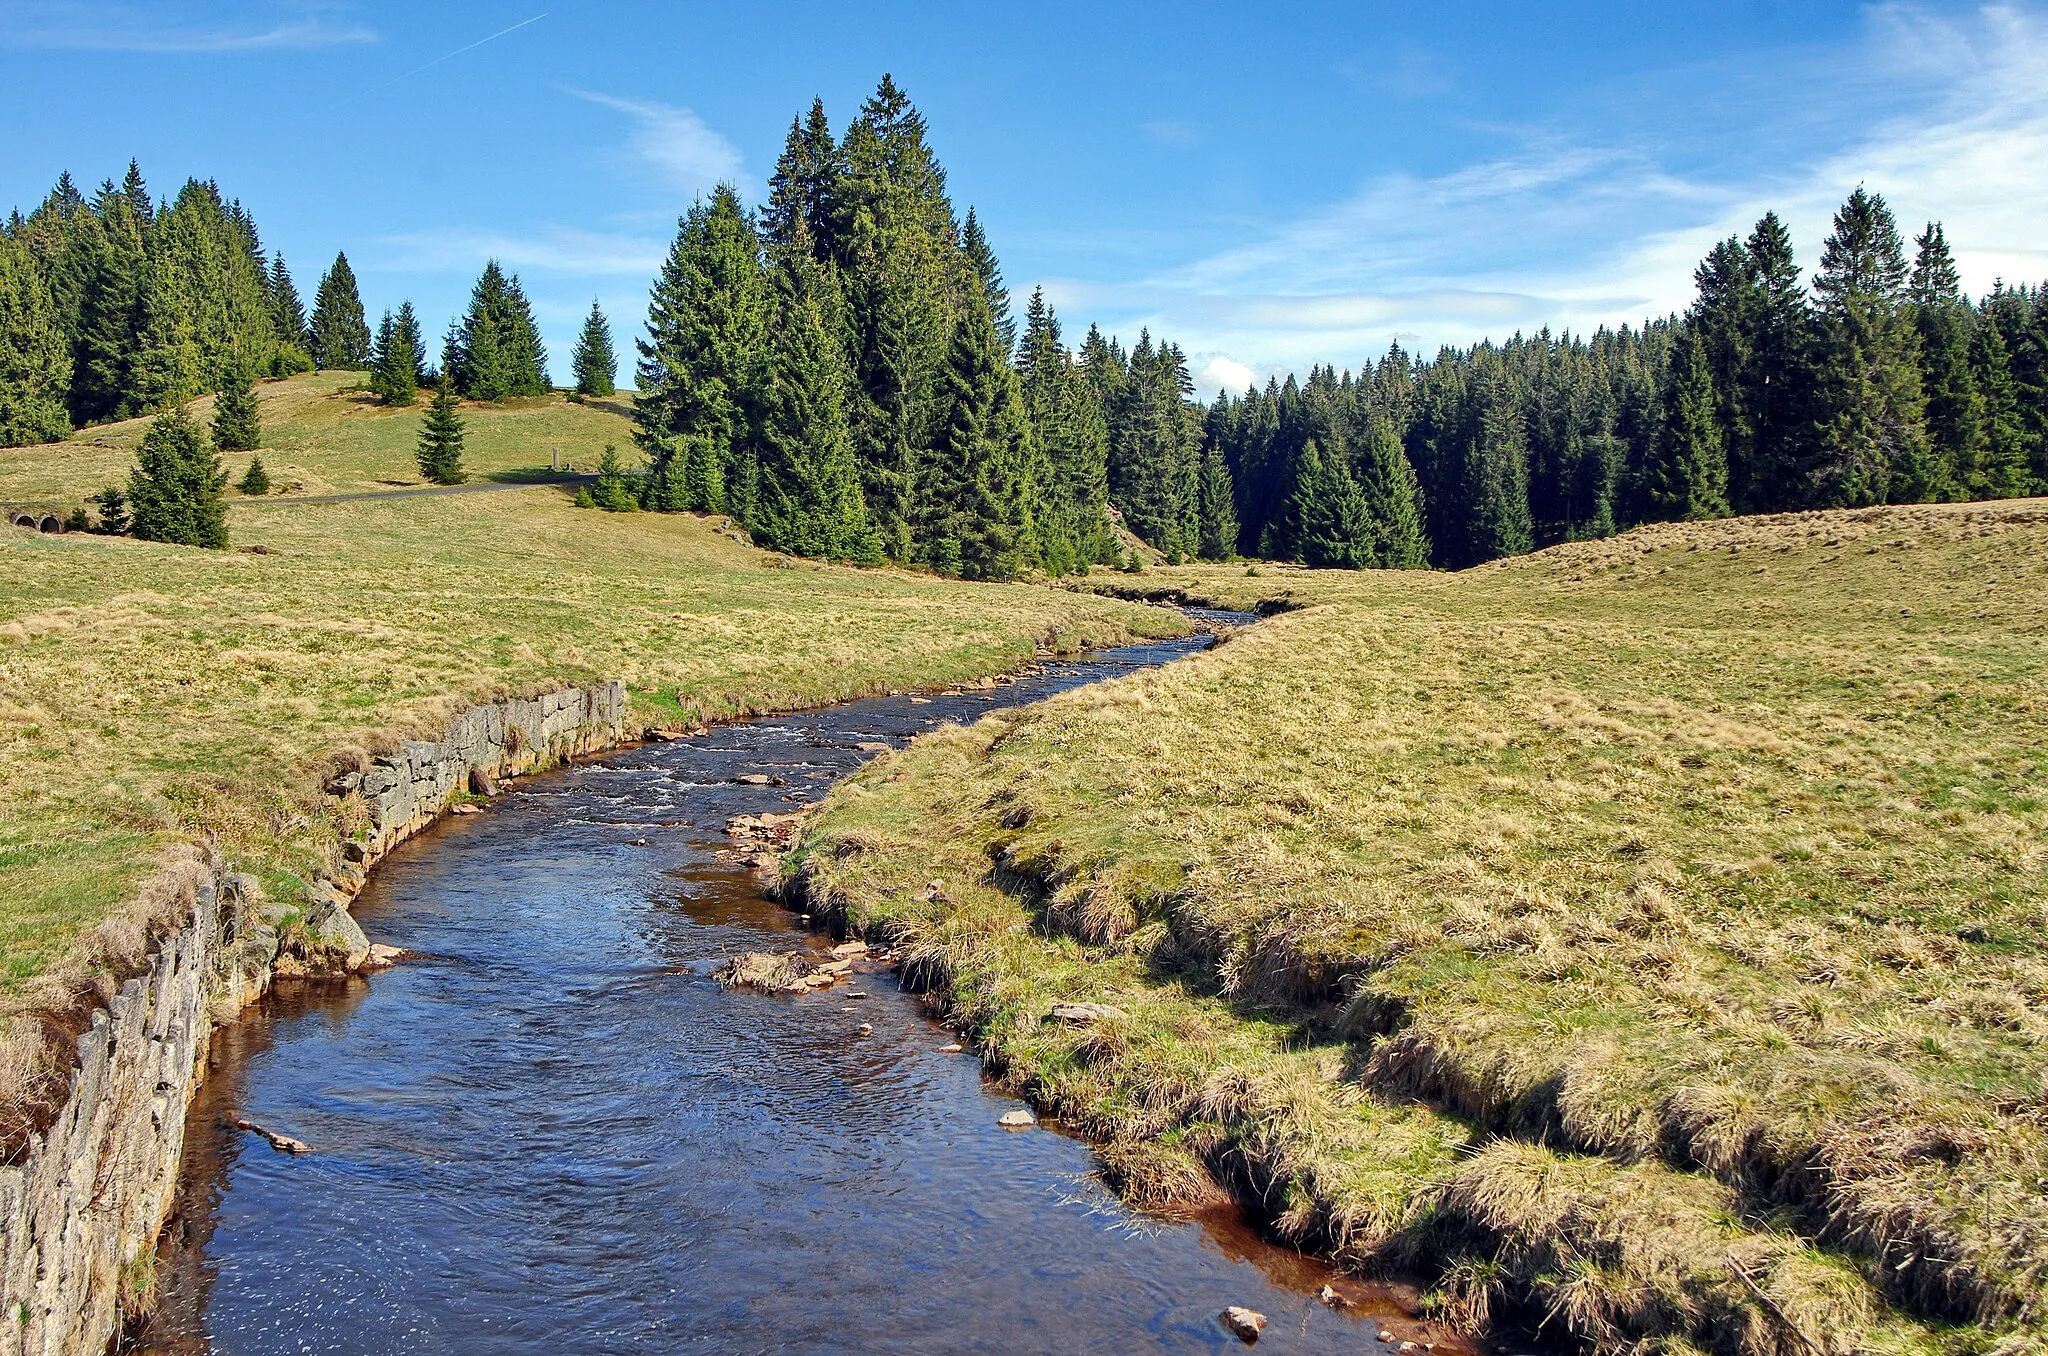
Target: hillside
(156, 695)
(1645, 938)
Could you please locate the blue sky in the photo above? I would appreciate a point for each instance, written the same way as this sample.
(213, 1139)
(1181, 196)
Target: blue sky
(1270, 188)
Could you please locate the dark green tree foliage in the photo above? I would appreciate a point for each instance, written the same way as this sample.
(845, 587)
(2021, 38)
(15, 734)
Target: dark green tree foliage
(35, 362)
(1217, 507)
(702, 364)
(1155, 449)
(595, 363)
(803, 191)
(152, 306)
(808, 498)
(1999, 466)
(440, 444)
(175, 491)
(110, 505)
(973, 487)
(287, 312)
(613, 491)
(1324, 523)
(1687, 476)
(1944, 321)
(255, 482)
(237, 425)
(1072, 434)
(339, 333)
(989, 273)
(1870, 414)
(397, 367)
(495, 351)
(1392, 498)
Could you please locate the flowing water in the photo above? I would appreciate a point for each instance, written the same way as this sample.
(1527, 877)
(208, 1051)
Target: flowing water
(553, 1131)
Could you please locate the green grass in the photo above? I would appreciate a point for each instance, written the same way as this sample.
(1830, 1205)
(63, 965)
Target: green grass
(1618, 907)
(324, 435)
(153, 695)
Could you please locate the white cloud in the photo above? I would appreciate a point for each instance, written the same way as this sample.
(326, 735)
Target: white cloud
(1171, 133)
(550, 249)
(683, 151)
(78, 26)
(1219, 372)
(1604, 223)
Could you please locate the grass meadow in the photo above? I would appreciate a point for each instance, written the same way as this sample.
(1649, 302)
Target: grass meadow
(1644, 938)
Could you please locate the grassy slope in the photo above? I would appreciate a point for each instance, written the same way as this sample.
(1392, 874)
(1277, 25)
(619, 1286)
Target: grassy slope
(321, 436)
(1581, 924)
(152, 694)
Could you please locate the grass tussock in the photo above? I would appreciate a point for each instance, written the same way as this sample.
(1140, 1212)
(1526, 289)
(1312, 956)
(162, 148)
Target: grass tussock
(154, 697)
(1574, 924)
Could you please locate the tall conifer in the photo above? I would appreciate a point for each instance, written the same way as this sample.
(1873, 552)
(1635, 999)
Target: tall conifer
(35, 362)
(1392, 500)
(237, 424)
(340, 335)
(595, 362)
(1689, 467)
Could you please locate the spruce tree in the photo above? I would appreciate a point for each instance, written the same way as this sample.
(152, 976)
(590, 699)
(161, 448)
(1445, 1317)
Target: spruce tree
(1327, 525)
(2000, 470)
(1688, 476)
(1154, 448)
(808, 500)
(1778, 375)
(1072, 435)
(496, 348)
(801, 191)
(35, 361)
(973, 486)
(175, 490)
(102, 385)
(613, 491)
(1218, 505)
(440, 443)
(989, 274)
(1871, 434)
(339, 333)
(595, 362)
(395, 373)
(700, 371)
(1392, 500)
(255, 482)
(1944, 320)
(287, 312)
(237, 424)
(1497, 474)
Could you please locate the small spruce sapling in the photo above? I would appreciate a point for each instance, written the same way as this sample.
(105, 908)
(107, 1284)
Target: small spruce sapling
(256, 481)
(112, 506)
(613, 490)
(440, 445)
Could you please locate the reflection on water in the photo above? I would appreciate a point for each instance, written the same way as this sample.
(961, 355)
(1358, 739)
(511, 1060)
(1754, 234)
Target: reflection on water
(554, 1133)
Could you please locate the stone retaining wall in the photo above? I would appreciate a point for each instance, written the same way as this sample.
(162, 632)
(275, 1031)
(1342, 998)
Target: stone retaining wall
(81, 1209)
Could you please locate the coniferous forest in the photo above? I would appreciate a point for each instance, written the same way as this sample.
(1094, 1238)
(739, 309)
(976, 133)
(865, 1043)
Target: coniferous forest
(843, 372)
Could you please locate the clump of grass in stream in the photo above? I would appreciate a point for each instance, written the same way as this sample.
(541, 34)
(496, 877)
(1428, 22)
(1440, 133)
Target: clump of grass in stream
(154, 696)
(1710, 857)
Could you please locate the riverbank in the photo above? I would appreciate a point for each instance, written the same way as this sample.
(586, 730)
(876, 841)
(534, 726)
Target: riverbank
(552, 1129)
(156, 697)
(1642, 939)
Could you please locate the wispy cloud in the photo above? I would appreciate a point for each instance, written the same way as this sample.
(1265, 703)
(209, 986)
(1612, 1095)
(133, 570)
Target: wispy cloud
(82, 26)
(683, 151)
(1573, 226)
(548, 249)
(1404, 72)
(1171, 133)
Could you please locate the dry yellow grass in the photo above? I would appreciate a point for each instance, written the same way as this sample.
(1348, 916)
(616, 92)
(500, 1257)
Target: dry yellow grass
(1710, 857)
(153, 696)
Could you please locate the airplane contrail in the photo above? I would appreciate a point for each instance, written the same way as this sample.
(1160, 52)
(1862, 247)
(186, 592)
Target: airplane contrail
(460, 50)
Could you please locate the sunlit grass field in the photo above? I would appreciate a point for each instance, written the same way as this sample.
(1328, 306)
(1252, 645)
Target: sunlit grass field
(1621, 934)
(155, 695)
(322, 434)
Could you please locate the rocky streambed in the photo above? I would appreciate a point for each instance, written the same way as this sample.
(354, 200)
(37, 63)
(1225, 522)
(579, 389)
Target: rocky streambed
(552, 1128)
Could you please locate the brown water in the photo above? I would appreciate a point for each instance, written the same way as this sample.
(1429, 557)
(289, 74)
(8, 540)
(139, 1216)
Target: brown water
(555, 1133)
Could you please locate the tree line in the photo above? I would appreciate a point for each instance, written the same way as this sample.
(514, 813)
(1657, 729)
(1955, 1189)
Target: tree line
(1881, 383)
(842, 373)
(117, 305)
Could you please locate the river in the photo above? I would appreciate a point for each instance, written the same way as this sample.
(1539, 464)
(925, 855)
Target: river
(553, 1132)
